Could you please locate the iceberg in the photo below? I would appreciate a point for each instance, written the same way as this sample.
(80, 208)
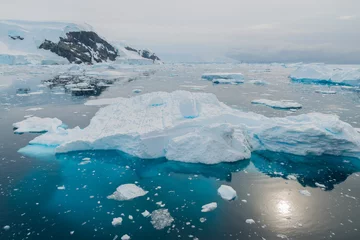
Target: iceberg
(212, 76)
(198, 128)
(209, 207)
(127, 192)
(323, 74)
(37, 125)
(282, 104)
(227, 192)
(161, 219)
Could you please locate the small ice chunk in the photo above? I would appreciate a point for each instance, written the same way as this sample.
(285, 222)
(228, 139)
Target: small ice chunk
(61, 187)
(72, 232)
(202, 220)
(131, 217)
(320, 185)
(127, 192)
(227, 192)
(37, 125)
(146, 213)
(161, 218)
(250, 221)
(209, 207)
(125, 237)
(33, 109)
(305, 192)
(116, 221)
(137, 91)
(226, 81)
(325, 91)
(212, 76)
(282, 104)
(7, 227)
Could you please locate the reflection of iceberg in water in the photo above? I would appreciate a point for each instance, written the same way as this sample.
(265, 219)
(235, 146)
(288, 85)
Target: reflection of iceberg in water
(312, 171)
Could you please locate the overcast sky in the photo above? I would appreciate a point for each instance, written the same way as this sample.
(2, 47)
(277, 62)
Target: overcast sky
(248, 30)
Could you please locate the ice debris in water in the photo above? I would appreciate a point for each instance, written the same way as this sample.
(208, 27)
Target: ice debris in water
(116, 221)
(259, 82)
(227, 192)
(7, 227)
(321, 73)
(305, 193)
(127, 192)
(250, 221)
(37, 125)
(212, 76)
(125, 237)
(320, 185)
(227, 81)
(145, 213)
(34, 109)
(325, 91)
(196, 127)
(161, 218)
(282, 104)
(61, 187)
(209, 207)
(137, 91)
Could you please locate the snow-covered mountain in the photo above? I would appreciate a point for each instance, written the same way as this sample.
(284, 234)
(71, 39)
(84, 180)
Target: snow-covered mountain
(25, 42)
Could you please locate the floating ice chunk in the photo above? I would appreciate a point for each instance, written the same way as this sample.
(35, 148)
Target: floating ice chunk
(226, 81)
(202, 220)
(218, 134)
(325, 91)
(145, 213)
(7, 227)
(259, 82)
(37, 125)
(305, 193)
(127, 192)
(320, 185)
(161, 219)
(321, 73)
(282, 104)
(72, 232)
(212, 76)
(209, 207)
(250, 221)
(137, 91)
(227, 192)
(117, 221)
(34, 109)
(61, 187)
(125, 237)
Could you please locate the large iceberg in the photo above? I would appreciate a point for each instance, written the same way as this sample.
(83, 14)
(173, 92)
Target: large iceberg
(323, 74)
(198, 128)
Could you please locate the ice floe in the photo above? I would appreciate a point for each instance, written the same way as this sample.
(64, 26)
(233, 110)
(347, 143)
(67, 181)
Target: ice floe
(325, 91)
(161, 219)
(127, 192)
(227, 192)
(117, 221)
(227, 81)
(282, 104)
(212, 76)
(196, 127)
(146, 213)
(37, 125)
(125, 237)
(209, 207)
(249, 221)
(321, 73)
(7, 227)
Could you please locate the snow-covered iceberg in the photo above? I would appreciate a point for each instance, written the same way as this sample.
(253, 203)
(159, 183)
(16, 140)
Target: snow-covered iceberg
(282, 104)
(197, 127)
(323, 74)
(37, 125)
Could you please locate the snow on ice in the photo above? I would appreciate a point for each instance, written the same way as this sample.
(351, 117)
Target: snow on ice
(37, 125)
(127, 192)
(196, 127)
(227, 192)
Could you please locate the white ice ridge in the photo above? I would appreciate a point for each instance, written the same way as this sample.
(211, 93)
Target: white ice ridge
(321, 73)
(37, 125)
(282, 104)
(196, 127)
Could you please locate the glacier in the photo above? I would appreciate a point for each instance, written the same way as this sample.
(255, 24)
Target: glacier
(324, 74)
(198, 128)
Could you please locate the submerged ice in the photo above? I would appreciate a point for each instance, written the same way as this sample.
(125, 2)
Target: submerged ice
(198, 128)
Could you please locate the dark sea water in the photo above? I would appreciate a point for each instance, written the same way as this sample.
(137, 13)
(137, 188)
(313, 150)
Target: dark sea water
(267, 185)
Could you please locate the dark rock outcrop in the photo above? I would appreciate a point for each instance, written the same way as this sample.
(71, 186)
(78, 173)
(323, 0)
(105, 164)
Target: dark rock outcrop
(144, 53)
(82, 47)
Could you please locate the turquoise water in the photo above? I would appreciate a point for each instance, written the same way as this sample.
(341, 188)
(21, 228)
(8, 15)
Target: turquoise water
(267, 185)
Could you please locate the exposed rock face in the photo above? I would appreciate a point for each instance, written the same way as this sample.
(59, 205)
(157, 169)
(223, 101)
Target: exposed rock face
(144, 53)
(82, 47)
